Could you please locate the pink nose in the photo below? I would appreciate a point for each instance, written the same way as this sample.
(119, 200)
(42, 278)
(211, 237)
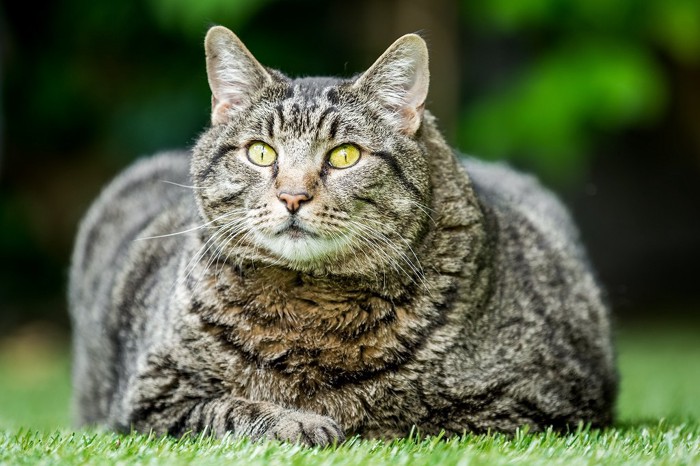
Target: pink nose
(293, 201)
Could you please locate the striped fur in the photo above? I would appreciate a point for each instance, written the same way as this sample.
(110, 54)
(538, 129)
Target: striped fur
(411, 289)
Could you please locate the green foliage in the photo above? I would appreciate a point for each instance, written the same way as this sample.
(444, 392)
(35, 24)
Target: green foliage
(550, 112)
(593, 68)
(193, 18)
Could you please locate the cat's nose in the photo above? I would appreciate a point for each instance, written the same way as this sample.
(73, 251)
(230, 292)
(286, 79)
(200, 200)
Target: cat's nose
(293, 200)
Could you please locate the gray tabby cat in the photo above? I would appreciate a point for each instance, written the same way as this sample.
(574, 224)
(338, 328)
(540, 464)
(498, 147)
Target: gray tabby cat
(328, 267)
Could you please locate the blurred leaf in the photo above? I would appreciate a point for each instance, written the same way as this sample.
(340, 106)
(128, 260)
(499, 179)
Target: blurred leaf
(193, 17)
(169, 117)
(676, 24)
(516, 15)
(550, 113)
(601, 76)
(509, 15)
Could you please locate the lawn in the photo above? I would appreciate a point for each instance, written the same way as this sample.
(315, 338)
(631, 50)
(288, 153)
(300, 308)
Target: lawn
(658, 421)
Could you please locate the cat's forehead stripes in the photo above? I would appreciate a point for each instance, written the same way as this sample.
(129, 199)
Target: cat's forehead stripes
(310, 107)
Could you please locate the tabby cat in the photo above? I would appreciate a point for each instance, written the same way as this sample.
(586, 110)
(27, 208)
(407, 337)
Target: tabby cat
(322, 264)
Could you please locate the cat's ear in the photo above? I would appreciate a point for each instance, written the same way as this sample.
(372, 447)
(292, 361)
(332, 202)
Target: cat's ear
(399, 80)
(234, 74)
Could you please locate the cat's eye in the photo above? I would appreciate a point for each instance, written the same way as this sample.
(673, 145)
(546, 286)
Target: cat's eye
(261, 154)
(344, 156)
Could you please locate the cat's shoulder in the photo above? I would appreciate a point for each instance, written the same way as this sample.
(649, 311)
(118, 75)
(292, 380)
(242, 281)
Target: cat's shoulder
(520, 196)
(148, 173)
(142, 187)
(172, 166)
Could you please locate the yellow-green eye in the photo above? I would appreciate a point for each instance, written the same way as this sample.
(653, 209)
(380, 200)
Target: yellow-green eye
(344, 156)
(261, 154)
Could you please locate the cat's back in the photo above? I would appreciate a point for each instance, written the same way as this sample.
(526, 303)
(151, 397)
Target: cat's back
(521, 198)
(122, 210)
(546, 298)
(106, 254)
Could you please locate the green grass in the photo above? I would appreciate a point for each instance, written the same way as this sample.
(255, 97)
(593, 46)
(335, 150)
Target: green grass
(658, 422)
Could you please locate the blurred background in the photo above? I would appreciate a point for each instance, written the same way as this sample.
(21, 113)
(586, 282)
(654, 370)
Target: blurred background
(599, 98)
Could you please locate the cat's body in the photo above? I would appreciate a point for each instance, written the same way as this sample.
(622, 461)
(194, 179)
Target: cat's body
(400, 290)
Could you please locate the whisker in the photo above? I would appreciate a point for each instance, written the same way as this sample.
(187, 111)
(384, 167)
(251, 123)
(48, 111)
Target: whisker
(181, 185)
(408, 245)
(387, 242)
(233, 232)
(424, 208)
(203, 250)
(189, 230)
(372, 239)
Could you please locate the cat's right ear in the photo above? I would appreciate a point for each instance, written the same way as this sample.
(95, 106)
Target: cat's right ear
(399, 81)
(234, 74)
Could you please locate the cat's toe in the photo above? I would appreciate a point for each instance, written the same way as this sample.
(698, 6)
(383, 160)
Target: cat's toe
(307, 428)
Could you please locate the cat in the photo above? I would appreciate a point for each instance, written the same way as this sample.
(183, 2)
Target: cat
(322, 264)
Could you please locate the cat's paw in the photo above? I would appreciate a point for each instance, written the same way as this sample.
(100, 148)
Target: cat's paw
(307, 428)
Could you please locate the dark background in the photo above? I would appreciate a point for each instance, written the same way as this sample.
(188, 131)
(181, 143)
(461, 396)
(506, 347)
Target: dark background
(601, 99)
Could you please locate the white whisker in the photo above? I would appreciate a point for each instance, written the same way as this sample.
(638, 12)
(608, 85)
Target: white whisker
(380, 239)
(189, 230)
(203, 250)
(181, 185)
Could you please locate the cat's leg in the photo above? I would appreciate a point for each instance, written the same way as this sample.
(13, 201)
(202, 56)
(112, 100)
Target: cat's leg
(173, 401)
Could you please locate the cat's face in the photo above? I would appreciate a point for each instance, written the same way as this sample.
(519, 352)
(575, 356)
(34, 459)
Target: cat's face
(314, 173)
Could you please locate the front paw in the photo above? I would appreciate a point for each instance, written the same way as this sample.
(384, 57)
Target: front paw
(307, 428)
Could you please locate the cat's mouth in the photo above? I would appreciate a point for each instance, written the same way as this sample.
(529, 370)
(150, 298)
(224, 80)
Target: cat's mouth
(295, 230)
(301, 243)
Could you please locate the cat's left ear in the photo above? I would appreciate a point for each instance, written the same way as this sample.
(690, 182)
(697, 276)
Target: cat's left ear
(399, 81)
(234, 73)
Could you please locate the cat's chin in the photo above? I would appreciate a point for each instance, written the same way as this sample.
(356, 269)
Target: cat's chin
(301, 247)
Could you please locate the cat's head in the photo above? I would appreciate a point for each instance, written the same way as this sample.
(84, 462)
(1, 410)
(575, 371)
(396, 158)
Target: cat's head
(315, 174)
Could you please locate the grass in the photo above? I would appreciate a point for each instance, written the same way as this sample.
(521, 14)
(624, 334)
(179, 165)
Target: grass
(659, 421)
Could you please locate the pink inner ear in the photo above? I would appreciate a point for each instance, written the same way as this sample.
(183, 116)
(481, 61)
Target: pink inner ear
(219, 111)
(411, 119)
(220, 108)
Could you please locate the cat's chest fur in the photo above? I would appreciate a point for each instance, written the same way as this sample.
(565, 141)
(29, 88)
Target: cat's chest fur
(316, 343)
(314, 329)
